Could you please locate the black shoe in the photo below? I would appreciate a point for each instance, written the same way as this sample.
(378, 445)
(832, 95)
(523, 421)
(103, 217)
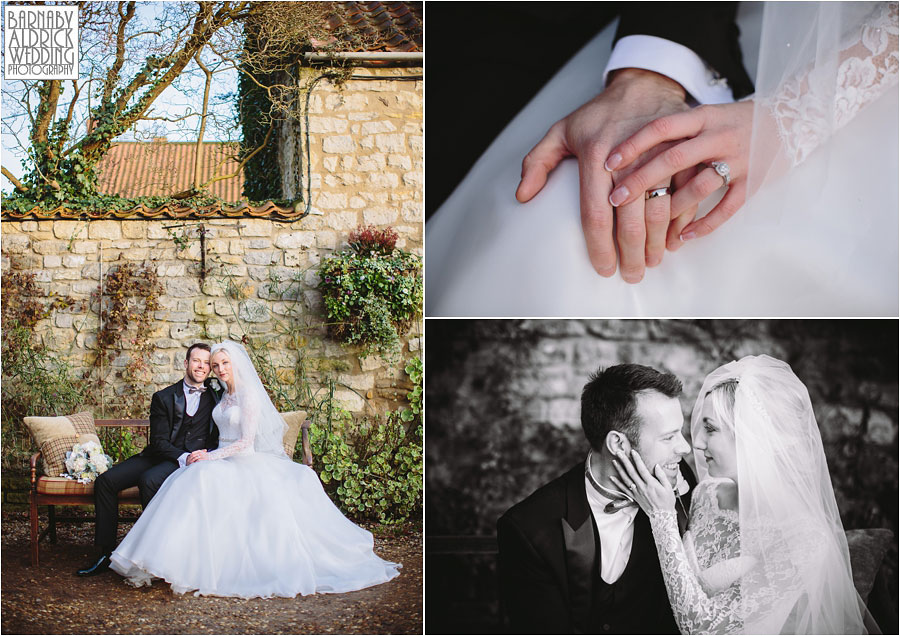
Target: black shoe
(99, 567)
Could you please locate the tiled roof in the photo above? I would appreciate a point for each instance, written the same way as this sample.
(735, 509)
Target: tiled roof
(172, 210)
(160, 168)
(387, 26)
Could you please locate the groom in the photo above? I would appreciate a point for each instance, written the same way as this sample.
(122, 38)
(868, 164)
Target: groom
(180, 423)
(576, 557)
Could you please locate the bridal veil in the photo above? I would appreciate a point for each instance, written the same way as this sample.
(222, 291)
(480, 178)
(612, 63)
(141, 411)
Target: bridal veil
(788, 518)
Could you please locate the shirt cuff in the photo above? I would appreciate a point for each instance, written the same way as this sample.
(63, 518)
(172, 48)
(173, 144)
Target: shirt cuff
(182, 461)
(675, 61)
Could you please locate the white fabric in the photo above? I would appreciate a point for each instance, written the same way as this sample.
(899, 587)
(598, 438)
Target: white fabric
(246, 523)
(673, 60)
(780, 564)
(616, 532)
(192, 400)
(822, 242)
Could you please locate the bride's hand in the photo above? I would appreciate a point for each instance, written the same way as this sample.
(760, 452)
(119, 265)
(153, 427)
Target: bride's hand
(718, 133)
(651, 492)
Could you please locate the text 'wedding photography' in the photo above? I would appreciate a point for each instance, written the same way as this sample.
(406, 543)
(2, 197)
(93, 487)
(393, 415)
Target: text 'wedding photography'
(212, 317)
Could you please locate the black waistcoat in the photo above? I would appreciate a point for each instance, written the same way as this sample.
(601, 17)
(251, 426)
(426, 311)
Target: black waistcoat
(194, 431)
(637, 602)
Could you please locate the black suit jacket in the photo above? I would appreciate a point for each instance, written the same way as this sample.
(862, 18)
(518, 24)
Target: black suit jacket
(550, 567)
(709, 29)
(166, 415)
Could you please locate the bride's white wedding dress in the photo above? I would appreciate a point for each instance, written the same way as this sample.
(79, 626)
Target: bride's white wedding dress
(821, 241)
(247, 524)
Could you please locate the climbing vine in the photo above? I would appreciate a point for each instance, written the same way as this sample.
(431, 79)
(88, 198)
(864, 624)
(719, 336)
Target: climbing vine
(128, 299)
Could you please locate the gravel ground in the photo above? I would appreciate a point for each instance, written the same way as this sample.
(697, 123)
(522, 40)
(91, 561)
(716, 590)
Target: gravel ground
(50, 599)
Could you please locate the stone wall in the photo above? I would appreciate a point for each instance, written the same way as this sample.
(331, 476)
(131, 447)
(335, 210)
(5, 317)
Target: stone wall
(367, 169)
(502, 402)
(366, 148)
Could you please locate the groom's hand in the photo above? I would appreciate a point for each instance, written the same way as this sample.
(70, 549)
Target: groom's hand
(633, 98)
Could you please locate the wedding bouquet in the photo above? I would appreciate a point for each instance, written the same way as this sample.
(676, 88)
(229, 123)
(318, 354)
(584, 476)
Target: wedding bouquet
(85, 462)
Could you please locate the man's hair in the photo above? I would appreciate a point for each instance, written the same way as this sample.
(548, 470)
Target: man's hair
(196, 345)
(608, 400)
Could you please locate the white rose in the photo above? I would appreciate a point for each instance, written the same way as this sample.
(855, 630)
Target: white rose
(99, 463)
(78, 464)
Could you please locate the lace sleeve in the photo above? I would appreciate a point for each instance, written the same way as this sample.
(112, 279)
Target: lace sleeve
(808, 108)
(248, 413)
(694, 610)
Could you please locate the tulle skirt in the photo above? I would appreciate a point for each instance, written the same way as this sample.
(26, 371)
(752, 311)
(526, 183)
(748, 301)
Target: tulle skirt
(820, 242)
(248, 526)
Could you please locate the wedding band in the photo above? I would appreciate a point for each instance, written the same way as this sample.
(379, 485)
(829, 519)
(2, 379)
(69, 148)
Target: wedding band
(722, 170)
(657, 192)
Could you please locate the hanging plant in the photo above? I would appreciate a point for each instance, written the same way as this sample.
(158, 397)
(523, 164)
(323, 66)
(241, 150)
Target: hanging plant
(372, 291)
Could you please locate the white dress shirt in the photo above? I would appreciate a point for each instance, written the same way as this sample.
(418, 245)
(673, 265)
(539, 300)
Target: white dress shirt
(673, 60)
(191, 404)
(616, 531)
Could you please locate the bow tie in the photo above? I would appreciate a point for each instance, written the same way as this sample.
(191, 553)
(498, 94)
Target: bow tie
(619, 500)
(196, 389)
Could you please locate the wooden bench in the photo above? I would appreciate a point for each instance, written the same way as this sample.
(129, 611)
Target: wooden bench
(58, 491)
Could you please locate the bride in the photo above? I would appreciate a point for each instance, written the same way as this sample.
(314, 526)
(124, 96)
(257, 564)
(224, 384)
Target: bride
(244, 520)
(765, 551)
(817, 235)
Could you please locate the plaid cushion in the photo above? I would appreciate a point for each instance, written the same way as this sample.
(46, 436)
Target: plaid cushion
(83, 423)
(53, 452)
(63, 486)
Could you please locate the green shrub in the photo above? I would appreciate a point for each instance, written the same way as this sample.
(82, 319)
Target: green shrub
(371, 294)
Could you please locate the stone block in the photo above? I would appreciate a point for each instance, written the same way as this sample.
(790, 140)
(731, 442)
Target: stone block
(379, 216)
(66, 274)
(183, 287)
(136, 254)
(258, 273)
(413, 179)
(342, 220)
(171, 271)
(43, 247)
(326, 240)
(217, 330)
(168, 343)
(223, 307)
(84, 287)
(254, 244)
(400, 161)
(330, 163)
(156, 230)
(105, 229)
(296, 240)
(411, 211)
(295, 258)
(212, 287)
(72, 260)
(367, 142)
(134, 229)
(415, 344)
(371, 363)
(204, 307)
(356, 202)
(52, 260)
(253, 311)
(361, 116)
(362, 382)
(350, 400)
(185, 331)
(259, 257)
(417, 144)
(338, 144)
(331, 200)
(391, 142)
(84, 247)
(67, 229)
(256, 227)
(384, 180)
(371, 163)
(319, 124)
(372, 127)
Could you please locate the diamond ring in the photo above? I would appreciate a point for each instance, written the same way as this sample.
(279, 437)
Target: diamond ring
(722, 170)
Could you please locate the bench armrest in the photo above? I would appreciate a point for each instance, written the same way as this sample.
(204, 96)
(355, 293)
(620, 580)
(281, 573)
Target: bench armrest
(34, 461)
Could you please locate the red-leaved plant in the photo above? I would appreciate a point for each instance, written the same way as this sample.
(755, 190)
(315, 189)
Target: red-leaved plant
(370, 239)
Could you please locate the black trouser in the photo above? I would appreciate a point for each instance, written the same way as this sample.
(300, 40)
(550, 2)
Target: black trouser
(148, 474)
